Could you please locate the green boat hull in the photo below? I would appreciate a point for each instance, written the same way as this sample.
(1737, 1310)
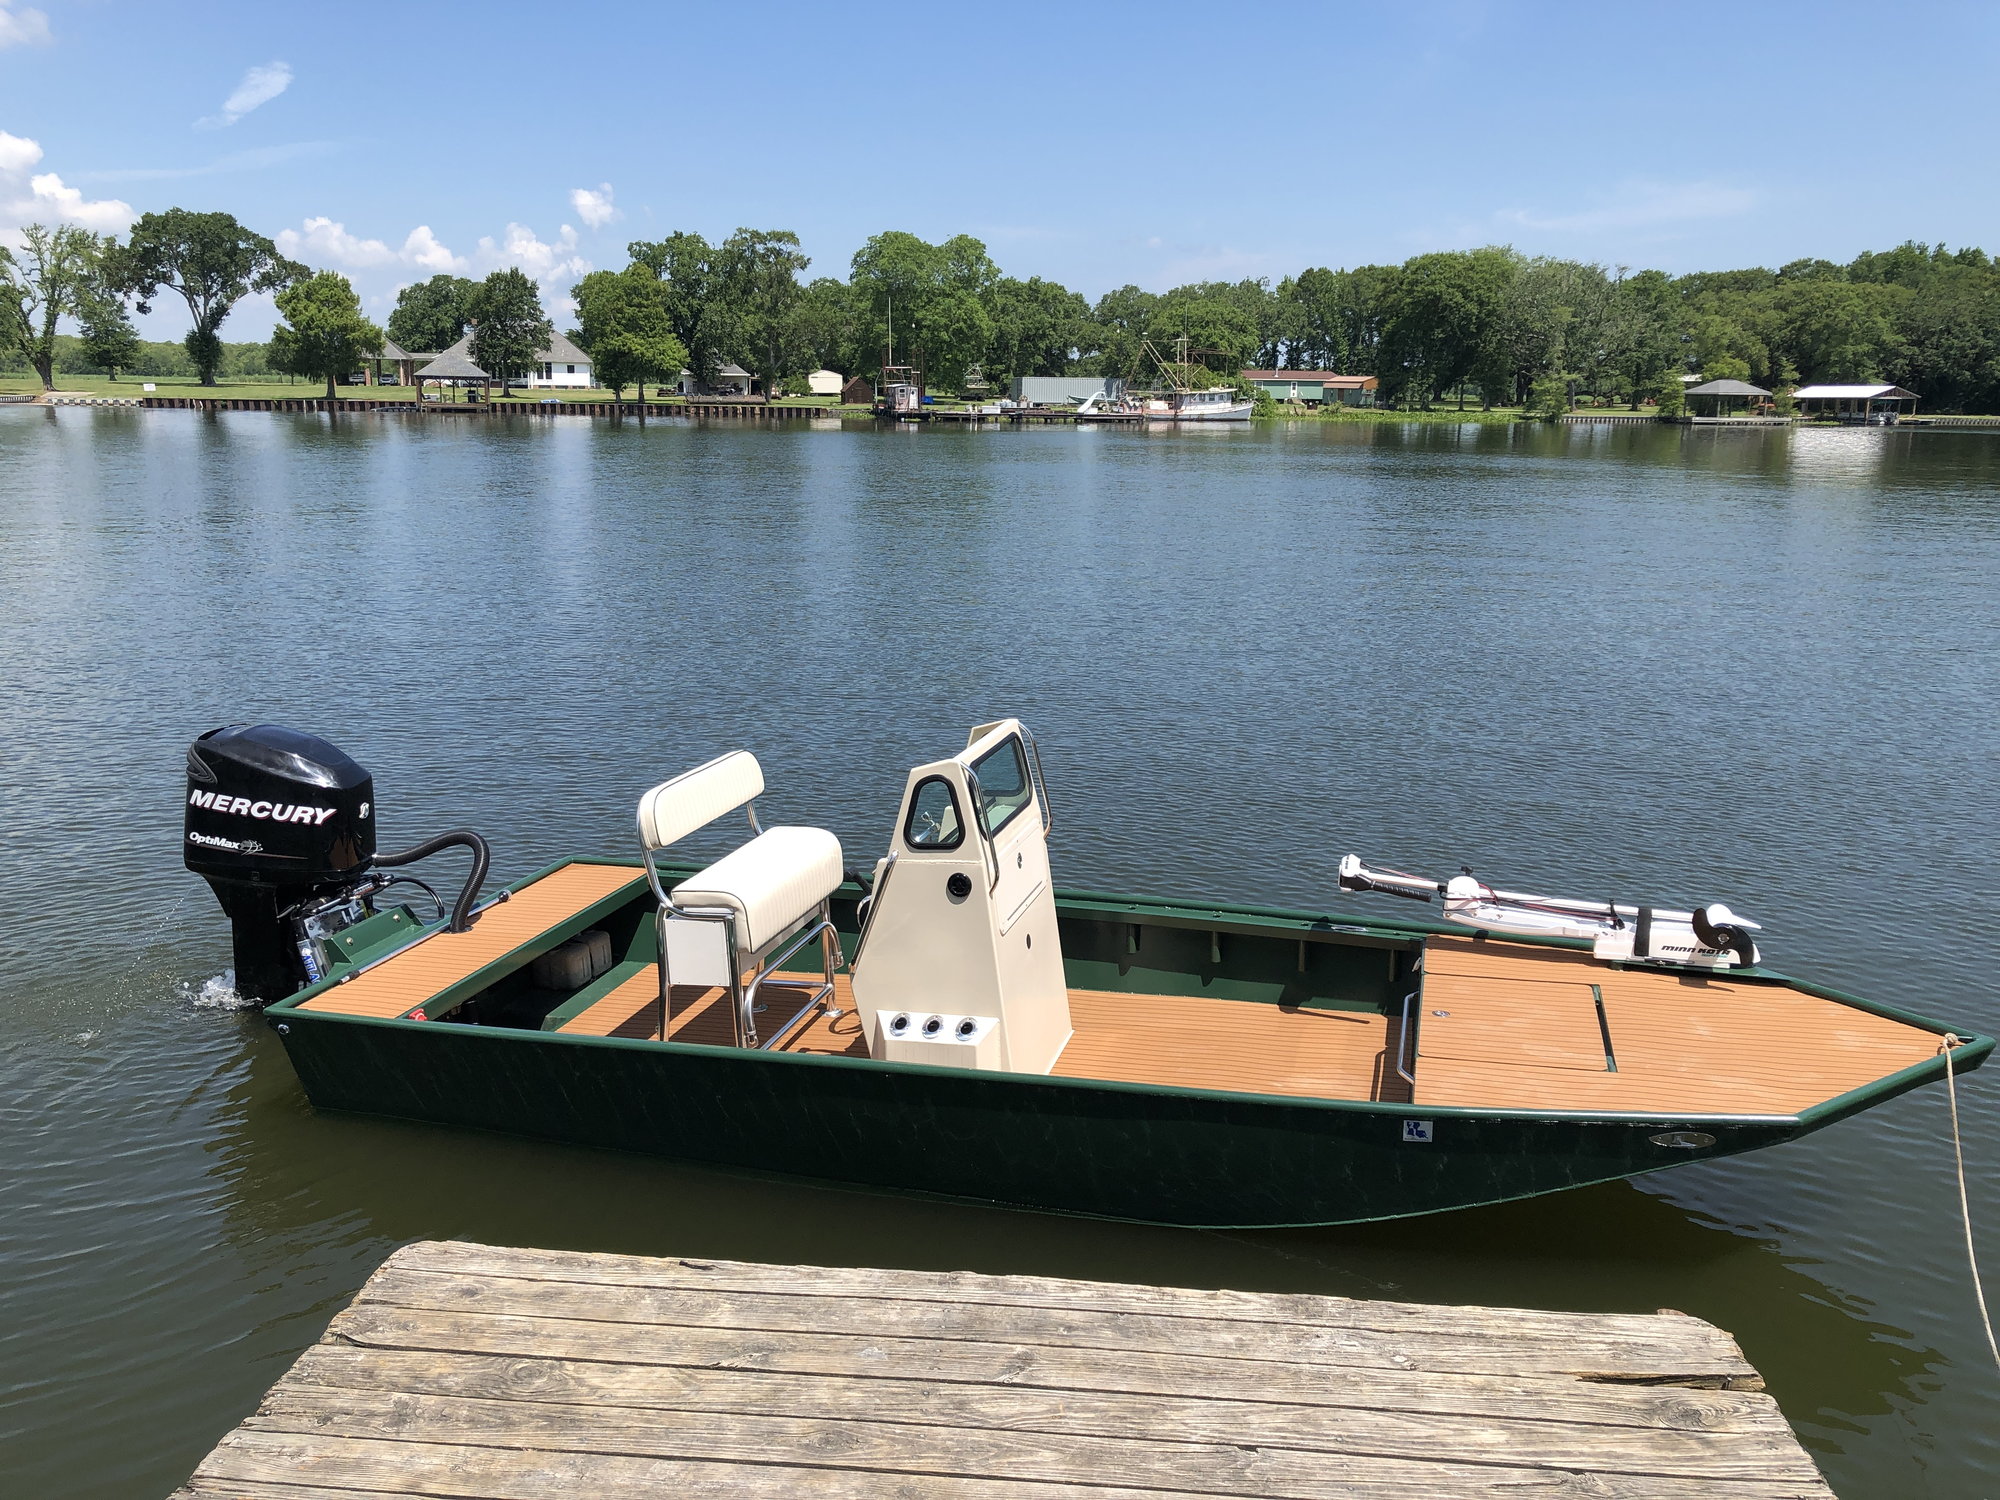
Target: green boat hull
(1163, 1155)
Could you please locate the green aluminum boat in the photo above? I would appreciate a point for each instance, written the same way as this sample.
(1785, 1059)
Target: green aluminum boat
(953, 1024)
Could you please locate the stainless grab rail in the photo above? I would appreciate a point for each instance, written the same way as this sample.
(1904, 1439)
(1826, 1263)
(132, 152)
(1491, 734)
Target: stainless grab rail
(1403, 1039)
(1041, 782)
(990, 856)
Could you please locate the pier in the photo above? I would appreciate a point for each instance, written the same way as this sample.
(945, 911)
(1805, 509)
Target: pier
(467, 1371)
(1019, 416)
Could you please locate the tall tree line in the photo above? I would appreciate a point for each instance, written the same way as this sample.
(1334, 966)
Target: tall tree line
(1490, 325)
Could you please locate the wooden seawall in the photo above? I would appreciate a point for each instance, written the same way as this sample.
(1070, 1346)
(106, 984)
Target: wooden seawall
(346, 404)
(466, 1371)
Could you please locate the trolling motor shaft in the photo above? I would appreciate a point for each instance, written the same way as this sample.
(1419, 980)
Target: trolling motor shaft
(1711, 936)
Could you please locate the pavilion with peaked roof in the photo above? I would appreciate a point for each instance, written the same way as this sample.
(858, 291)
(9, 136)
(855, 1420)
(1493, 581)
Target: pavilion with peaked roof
(1721, 396)
(454, 367)
(1855, 403)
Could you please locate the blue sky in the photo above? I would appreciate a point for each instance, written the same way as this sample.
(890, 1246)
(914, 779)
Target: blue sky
(1096, 145)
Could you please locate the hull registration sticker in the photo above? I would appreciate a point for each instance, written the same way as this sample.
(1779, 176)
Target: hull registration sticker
(1417, 1130)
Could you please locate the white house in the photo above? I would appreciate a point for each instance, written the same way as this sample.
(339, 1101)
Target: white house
(563, 367)
(825, 382)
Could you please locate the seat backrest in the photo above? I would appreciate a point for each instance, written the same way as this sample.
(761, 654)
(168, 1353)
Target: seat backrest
(694, 799)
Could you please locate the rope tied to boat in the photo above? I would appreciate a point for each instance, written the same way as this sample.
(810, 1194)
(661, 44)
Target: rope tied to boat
(1951, 1040)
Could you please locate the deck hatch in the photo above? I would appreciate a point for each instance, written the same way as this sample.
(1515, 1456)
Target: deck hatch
(1521, 1023)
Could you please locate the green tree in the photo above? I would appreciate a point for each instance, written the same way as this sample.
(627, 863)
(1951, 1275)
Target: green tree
(46, 282)
(1726, 367)
(1836, 330)
(1321, 340)
(211, 261)
(1784, 397)
(1671, 394)
(1039, 328)
(109, 341)
(1548, 397)
(1219, 323)
(1531, 326)
(430, 316)
(697, 296)
(760, 276)
(1657, 347)
(827, 328)
(1442, 317)
(324, 334)
(626, 328)
(1717, 337)
(1121, 319)
(509, 327)
(1948, 339)
(937, 295)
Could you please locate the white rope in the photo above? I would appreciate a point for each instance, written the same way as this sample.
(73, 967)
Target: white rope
(1964, 1204)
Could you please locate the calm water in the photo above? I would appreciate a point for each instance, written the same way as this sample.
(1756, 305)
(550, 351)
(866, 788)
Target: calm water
(1747, 666)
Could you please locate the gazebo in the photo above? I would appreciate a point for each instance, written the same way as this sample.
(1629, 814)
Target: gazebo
(1721, 396)
(454, 367)
(1856, 403)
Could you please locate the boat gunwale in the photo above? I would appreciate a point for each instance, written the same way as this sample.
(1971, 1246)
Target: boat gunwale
(1275, 921)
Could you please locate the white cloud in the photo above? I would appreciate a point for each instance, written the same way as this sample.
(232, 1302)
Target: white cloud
(548, 263)
(1639, 204)
(105, 215)
(260, 86)
(22, 28)
(17, 153)
(44, 197)
(324, 241)
(421, 248)
(593, 205)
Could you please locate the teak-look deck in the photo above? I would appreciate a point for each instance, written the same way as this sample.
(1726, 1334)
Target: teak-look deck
(1508, 1027)
(462, 1372)
(1170, 1040)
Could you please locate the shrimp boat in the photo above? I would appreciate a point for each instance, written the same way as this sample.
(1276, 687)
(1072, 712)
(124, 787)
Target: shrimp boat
(952, 1023)
(1189, 396)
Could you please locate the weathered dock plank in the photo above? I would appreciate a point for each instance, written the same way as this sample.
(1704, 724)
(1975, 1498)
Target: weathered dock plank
(467, 1370)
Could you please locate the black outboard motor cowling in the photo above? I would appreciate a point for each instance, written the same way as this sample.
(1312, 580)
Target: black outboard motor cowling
(276, 821)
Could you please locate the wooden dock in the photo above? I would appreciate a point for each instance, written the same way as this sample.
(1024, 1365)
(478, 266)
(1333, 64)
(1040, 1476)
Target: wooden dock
(1016, 416)
(466, 1371)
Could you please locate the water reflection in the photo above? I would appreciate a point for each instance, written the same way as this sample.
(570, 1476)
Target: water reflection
(1720, 665)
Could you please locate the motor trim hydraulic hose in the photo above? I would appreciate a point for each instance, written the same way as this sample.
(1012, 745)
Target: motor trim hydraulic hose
(461, 910)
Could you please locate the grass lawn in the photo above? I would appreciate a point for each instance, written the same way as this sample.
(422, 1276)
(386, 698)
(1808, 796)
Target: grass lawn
(262, 388)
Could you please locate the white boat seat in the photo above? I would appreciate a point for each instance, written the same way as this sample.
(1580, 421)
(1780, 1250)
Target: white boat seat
(771, 884)
(694, 799)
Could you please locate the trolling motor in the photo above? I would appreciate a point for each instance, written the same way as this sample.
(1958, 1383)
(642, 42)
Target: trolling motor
(1711, 937)
(282, 827)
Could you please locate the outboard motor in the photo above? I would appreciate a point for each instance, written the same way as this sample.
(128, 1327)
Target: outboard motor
(282, 827)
